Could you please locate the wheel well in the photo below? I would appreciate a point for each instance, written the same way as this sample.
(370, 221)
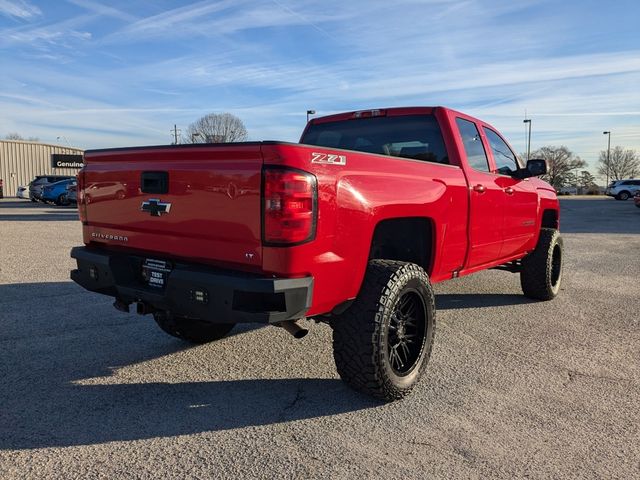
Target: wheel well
(550, 219)
(404, 239)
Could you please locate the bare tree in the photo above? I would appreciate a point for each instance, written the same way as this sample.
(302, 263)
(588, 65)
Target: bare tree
(216, 128)
(561, 165)
(17, 136)
(586, 180)
(622, 164)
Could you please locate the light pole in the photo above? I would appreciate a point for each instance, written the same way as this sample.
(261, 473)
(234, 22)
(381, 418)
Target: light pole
(310, 112)
(608, 155)
(528, 120)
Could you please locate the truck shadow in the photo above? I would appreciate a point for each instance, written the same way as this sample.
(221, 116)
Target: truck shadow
(449, 301)
(59, 348)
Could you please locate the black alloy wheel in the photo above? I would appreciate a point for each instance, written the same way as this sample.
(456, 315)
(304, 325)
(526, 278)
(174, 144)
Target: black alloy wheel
(406, 332)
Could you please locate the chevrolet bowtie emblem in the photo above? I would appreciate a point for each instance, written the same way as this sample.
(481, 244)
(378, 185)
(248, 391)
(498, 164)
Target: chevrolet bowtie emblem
(155, 207)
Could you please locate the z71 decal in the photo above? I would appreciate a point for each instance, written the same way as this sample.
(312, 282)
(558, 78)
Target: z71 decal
(328, 158)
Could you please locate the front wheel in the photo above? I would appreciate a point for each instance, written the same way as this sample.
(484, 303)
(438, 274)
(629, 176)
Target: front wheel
(192, 330)
(382, 343)
(62, 200)
(542, 269)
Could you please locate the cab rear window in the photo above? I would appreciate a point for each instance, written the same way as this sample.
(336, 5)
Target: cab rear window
(416, 137)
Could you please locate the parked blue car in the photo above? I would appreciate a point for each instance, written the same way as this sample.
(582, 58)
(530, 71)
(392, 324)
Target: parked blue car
(57, 192)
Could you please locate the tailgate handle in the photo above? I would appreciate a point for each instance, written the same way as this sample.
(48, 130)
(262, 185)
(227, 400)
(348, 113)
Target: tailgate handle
(154, 182)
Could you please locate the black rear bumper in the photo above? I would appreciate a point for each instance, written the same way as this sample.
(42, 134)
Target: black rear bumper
(194, 291)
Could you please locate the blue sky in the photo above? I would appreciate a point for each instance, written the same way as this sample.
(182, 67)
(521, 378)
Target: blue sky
(119, 73)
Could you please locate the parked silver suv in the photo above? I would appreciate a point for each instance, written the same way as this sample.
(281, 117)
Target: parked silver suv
(623, 189)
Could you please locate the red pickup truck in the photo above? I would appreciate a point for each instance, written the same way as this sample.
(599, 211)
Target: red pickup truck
(349, 227)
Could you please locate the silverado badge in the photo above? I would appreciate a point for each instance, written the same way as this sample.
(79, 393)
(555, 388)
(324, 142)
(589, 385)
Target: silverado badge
(155, 207)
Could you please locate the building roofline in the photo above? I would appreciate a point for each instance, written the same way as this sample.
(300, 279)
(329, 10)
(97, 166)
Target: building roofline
(41, 143)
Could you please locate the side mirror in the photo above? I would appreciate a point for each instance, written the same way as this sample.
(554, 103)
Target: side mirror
(535, 168)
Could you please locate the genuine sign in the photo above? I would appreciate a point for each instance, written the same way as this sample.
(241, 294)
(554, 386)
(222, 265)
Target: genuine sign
(61, 160)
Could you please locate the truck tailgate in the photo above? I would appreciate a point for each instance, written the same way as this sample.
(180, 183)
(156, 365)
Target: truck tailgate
(200, 203)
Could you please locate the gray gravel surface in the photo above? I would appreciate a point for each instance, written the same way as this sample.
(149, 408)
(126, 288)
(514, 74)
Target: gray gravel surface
(515, 388)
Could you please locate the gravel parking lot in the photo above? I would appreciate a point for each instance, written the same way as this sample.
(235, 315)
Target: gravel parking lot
(515, 388)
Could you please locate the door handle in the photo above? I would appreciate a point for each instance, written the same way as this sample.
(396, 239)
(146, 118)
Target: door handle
(479, 188)
(509, 191)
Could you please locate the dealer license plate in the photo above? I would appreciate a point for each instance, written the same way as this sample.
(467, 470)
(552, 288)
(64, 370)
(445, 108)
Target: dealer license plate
(156, 272)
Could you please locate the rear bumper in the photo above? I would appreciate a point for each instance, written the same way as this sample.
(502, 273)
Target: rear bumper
(194, 291)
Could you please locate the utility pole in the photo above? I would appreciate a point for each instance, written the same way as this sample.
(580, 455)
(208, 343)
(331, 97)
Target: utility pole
(608, 156)
(528, 120)
(175, 132)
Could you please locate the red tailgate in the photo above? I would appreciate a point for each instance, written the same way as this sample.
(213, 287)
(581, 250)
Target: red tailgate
(209, 210)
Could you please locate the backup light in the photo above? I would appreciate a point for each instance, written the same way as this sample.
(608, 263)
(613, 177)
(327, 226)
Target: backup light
(290, 200)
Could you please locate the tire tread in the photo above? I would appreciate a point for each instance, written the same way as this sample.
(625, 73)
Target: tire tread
(536, 267)
(357, 331)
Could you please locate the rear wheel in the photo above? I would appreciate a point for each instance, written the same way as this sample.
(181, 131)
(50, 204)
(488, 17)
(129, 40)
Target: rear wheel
(542, 269)
(623, 196)
(192, 330)
(382, 343)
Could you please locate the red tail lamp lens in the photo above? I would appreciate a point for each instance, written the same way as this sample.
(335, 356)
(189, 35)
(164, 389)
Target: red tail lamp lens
(290, 204)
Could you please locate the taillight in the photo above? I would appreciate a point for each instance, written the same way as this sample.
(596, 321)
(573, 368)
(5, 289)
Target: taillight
(290, 199)
(80, 198)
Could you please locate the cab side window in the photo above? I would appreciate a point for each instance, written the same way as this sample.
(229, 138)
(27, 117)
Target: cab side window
(506, 162)
(473, 147)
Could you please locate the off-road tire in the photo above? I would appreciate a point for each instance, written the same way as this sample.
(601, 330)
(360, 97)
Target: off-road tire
(361, 334)
(191, 330)
(541, 272)
(623, 196)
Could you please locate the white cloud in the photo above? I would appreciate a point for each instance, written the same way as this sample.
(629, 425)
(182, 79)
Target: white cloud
(103, 10)
(19, 9)
(57, 33)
